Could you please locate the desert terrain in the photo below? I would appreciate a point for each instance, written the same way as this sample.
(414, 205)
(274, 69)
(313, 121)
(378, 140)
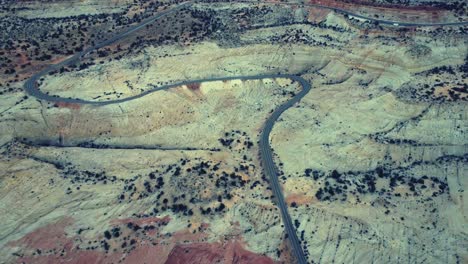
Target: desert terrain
(151, 149)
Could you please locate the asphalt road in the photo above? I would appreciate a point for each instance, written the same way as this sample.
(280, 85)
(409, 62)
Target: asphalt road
(266, 154)
(380, 21)
(30, 84)
(390, 22)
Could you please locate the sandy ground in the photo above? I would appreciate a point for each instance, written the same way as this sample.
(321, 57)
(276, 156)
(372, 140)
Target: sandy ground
(107, 182)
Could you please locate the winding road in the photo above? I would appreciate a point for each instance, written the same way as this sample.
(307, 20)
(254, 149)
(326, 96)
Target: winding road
(266, 154)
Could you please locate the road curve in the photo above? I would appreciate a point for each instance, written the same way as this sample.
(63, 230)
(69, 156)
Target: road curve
(31, 84)
(266, 155)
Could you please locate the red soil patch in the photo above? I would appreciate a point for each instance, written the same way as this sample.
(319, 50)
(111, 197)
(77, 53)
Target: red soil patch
(201, 253)
(68, 105)
(196, 253)
(46, 238)
(52, 244)
(192, 93)
(157, 250)
(148, 254)
(74, 257)
(30, 65)
(193, 86)
(53, 238)
(317, 14)
(298, 199)
(55, 59)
